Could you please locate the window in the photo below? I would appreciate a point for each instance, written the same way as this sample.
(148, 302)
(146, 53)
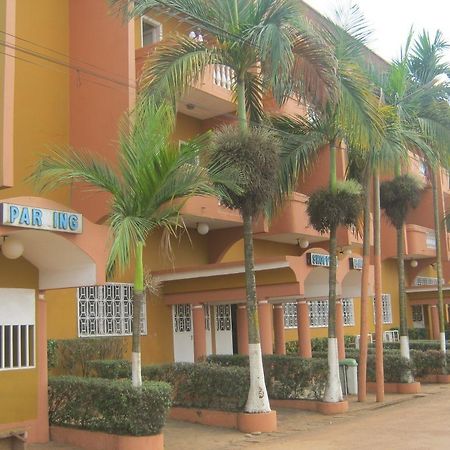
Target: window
(290, 315)
(107, 310)
(387, 308)
(151, 31)
(17, 329)
(422, 167)
(348, 311)
(318, 313)
(417, 313)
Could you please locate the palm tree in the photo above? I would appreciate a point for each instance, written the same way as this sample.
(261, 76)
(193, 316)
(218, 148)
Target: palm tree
(352, 118)
(273, 52)
(147, 188)
(428, 70)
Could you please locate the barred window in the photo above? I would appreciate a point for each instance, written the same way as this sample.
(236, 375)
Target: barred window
(182, 322)
(17, 329)
(107, 310)
(387, 308)
(290, 315)
(318, 313)
(348, 311)
(417, 313)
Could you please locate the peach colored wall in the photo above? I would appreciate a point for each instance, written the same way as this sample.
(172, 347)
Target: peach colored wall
(102, 43)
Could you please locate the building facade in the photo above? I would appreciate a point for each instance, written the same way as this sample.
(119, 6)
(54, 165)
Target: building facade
(68, 72)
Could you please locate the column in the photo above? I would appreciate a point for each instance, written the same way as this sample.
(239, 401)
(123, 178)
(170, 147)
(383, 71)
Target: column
(278, 325)
(198, 315)
(303, 329)
(42, 434)
(242, 329)
(340, 329)
(434, 322)
(265, 327)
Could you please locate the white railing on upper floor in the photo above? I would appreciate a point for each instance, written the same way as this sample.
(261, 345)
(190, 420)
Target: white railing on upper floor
(431, 239)
(223, 76)
(426, 281)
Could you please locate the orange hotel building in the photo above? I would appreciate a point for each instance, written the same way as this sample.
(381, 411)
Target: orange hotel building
(67, 74)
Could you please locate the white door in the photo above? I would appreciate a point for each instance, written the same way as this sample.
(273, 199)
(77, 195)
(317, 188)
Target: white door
(418, 316)
(208, 329)
(224, 330)
(183, 334)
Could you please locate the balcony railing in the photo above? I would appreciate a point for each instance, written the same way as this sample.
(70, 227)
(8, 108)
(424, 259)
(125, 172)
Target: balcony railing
(223, 76)
(426, 281)
(431, 240)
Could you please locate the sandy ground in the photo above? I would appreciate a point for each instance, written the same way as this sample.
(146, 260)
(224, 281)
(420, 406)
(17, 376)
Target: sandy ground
(412, 422)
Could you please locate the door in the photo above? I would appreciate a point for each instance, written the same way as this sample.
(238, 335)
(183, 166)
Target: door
(208, 329)
(183, 335)
(224, 330)
(418, 316)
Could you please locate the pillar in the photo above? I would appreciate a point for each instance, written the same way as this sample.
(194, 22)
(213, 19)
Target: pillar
(265, 327)
(198, 315)
(434, 322)
(42, 434)
(278, 325)
(303, 329)
(242, 329)
(340, 329)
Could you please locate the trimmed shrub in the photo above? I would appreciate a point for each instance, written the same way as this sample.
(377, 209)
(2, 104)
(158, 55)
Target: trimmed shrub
(109, 368)
(229, 360)
(292, 348)
(52, 358)
(291, 377)
(417, 333)
(110, 406)
(430, 362)
(421, 345)
(72, 355)
(319, 344)
(204, 385)
(396, 368)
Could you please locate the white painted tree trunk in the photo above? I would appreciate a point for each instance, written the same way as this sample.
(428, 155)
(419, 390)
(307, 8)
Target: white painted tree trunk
(136, 377)
(258, 400)
(443, 343)
(333, 391)
(404, 347)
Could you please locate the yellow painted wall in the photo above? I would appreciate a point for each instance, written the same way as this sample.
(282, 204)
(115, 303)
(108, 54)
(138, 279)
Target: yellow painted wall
(18, 388)
(41, 115)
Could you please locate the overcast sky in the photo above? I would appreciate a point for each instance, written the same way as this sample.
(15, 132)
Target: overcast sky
(391, 20)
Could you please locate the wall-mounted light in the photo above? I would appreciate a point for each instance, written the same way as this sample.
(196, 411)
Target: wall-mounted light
(202, 228)
(303, 243)
(413, 263)
(12, 248)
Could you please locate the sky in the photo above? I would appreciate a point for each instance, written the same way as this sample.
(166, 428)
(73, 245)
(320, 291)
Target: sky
(391, 20)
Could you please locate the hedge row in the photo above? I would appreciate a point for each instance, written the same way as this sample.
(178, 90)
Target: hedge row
(223, 382)
(108, 405)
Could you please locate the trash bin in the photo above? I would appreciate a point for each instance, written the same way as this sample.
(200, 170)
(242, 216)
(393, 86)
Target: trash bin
(348, 371)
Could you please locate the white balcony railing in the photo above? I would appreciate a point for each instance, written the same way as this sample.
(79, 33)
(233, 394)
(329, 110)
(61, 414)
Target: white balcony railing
(223, 76)
(426, 281)
(431, 240)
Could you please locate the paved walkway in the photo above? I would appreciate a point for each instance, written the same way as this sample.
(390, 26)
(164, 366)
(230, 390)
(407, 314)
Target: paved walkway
(410, 422)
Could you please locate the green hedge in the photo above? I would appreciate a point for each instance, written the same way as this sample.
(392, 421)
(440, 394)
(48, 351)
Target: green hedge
(109, 368)
(417, 333)
(110, 406)
(421, 345)
(430, 362)
(287, 376)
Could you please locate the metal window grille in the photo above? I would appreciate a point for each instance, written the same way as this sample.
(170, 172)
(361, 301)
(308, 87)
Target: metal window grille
(417, 313)
(386, 307)
(426, 281)
(207, 317)
(17, 346)
(107, 310)
(223, 317)
(290, 315)
(318, 313)
(348, 311)
(182, 318)
(431, 240)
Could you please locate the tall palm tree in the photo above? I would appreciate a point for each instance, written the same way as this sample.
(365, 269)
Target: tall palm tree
(351, 118)
(148, 187)
(429, 71)
(272, 51)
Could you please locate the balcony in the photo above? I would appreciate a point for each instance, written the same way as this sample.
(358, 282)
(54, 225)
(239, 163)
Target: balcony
(420, 242)
(208, 210)
(211, 96)
(291, 224)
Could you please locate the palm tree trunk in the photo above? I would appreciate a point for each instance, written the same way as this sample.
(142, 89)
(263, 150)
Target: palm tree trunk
(333, 391)
(258, 400)
(241, 108)
(437, 228)
(404, 339)
(364, 325)
(379, 364)
(138, 297)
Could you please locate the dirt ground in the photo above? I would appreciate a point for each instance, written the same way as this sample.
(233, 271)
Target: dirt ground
(412, 422)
